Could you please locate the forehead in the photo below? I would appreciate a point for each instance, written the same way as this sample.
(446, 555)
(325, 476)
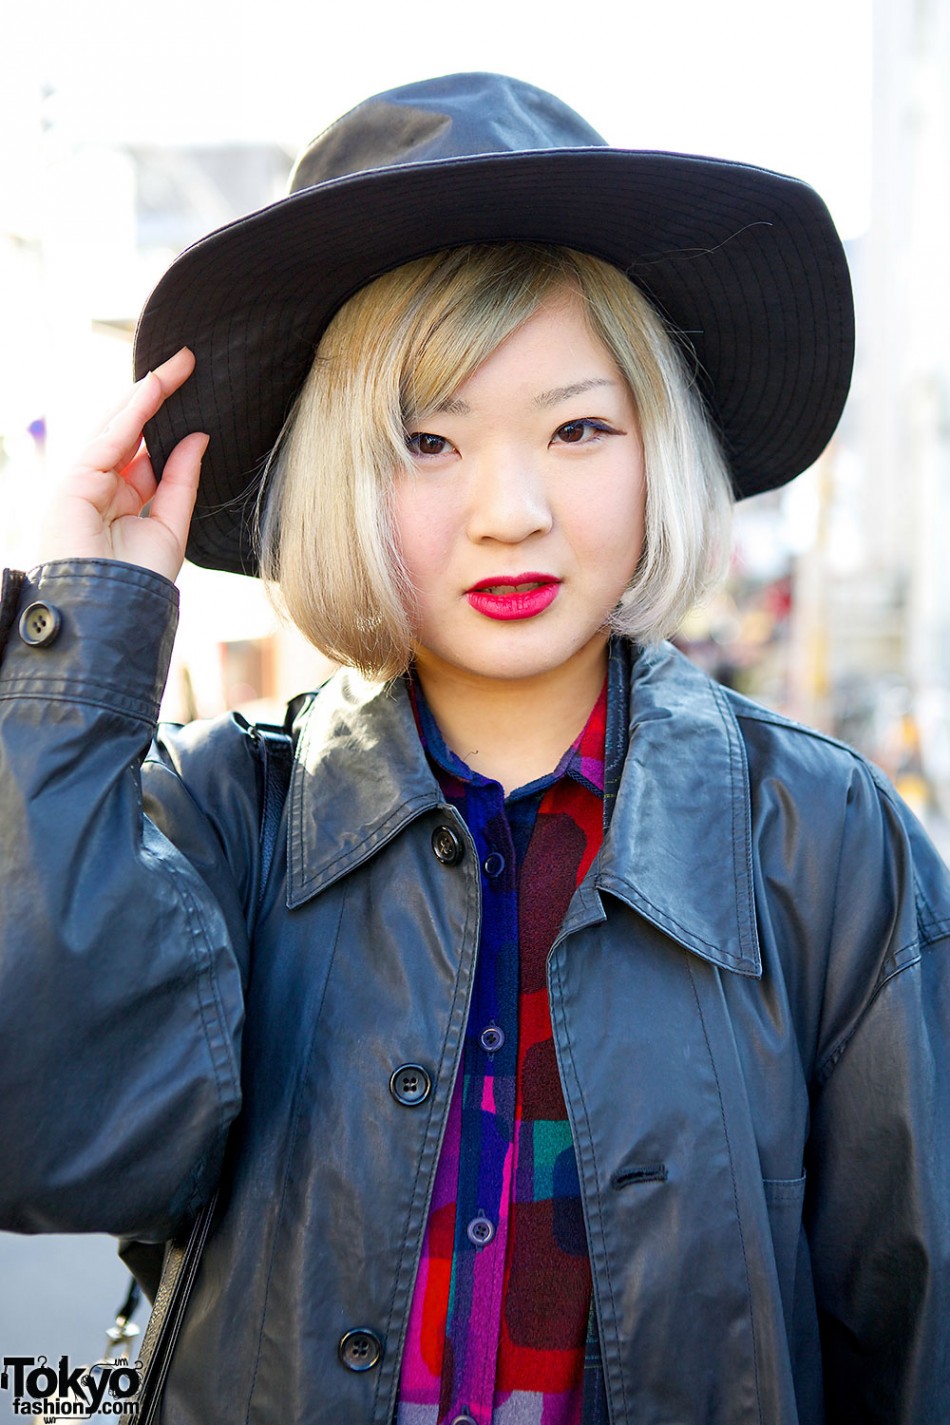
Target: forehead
(554, 354)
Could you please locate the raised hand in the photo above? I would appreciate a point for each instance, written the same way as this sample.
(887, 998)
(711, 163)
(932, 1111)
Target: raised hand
(97, 510)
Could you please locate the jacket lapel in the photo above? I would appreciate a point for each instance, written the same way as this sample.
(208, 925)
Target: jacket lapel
(678, 849)
(679, 845)
(359, 777)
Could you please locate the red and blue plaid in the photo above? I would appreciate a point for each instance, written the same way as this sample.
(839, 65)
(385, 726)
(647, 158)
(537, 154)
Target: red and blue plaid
(499, 1318)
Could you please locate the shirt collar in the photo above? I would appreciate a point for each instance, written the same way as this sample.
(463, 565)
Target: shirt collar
(679, 848)
(593, 759)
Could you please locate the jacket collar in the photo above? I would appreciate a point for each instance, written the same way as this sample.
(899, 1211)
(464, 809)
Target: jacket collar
(678, 849)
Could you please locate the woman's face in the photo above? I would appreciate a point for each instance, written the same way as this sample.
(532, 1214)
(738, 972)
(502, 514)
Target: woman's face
(521, 521)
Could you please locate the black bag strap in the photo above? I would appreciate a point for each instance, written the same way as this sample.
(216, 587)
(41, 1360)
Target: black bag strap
(158, 1344)
(275, 748)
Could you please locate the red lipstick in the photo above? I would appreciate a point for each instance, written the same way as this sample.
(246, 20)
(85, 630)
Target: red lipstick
(513, 596)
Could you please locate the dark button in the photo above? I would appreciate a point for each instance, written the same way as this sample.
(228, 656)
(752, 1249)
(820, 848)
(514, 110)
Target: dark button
(491, 1038)
(39, 624)
(410, 1084)
(447, 845)
(480, 1231)
(493, 864)
(361, 1350)
(464, 1420)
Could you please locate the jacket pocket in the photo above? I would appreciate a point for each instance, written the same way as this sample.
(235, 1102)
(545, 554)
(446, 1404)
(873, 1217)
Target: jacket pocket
(785, 1198)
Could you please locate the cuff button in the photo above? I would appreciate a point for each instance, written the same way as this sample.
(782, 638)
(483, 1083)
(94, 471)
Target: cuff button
(39, 624)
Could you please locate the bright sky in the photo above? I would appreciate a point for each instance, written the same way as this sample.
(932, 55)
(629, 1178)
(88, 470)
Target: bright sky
(780, 85)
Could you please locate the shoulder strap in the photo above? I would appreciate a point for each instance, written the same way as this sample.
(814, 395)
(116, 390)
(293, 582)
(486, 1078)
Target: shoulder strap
(178, 1275)
(275, 749)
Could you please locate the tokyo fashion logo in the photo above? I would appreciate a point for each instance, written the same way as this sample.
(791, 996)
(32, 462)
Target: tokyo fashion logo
(65, 1392)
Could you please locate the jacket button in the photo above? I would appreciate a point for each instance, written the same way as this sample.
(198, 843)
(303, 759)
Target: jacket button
(447, 845)
(464, 1420)
(39, 624)
(360, 1350)
(410, 1085)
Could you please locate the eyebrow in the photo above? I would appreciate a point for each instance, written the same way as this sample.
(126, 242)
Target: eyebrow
(452, 407)
(564, 393)
(543, 401)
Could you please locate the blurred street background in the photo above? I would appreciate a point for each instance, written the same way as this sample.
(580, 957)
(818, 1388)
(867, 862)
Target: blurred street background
(128, 132)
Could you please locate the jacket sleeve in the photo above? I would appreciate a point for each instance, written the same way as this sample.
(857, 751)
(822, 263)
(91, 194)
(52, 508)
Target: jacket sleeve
(879, 1161)
(121, 942)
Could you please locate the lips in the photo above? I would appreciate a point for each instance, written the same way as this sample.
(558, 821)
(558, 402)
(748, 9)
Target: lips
(513, 583)
(514, 596)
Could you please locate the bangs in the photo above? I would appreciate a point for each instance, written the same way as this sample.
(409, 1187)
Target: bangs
(469, 301)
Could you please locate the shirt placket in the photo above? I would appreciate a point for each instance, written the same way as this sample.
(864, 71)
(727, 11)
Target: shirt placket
(486, 1156)
(479, 1156)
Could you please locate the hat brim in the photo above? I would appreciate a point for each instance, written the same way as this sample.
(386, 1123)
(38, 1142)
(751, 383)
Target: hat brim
(745, 264)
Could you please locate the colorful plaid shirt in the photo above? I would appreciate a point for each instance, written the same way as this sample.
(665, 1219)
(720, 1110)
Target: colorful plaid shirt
(499, 1319)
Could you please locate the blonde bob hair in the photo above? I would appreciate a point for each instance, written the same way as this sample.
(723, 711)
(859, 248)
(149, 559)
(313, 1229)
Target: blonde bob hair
(402, 346)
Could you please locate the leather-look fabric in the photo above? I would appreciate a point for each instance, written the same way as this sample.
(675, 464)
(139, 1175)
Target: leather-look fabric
(750, 998)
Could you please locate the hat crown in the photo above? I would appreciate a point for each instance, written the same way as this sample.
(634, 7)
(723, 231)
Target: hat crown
(457, 116)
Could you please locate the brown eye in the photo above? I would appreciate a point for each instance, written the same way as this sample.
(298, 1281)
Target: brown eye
(423, 443)
(584, 432)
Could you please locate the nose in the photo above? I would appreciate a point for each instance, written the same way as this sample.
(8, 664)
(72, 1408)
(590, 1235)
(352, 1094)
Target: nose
(508, 500)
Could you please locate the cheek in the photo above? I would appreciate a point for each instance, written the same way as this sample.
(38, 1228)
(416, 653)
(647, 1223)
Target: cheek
(422, 531)
(610, 522)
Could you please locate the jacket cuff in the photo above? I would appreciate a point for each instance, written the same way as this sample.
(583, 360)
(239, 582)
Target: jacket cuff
(94, 631)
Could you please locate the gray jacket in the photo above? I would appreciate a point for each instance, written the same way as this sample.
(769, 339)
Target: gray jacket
(750, 997)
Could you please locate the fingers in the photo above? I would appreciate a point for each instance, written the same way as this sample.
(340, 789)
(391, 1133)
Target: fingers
(98, 508)
(117, 444)
(165, 374)
(158, 542)
(172, 373)
(174, 500)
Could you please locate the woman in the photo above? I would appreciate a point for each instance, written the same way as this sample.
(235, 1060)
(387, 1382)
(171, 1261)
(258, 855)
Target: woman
(585, 1058)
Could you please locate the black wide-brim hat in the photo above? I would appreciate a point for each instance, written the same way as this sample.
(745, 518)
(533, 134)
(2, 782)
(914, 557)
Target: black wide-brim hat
(744, 264)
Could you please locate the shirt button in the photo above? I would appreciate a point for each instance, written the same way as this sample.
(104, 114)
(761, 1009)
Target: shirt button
(39, 624)
(360, 1350)
(410, 1085)
(464, 1420)
(480, 1231)
(447, 845)
(493, 864)
(491, 1038)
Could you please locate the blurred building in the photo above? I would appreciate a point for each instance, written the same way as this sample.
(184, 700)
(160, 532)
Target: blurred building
(887, 591)
(838, 610)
